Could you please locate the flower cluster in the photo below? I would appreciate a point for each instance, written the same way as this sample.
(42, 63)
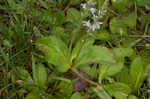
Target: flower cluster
(94, 23)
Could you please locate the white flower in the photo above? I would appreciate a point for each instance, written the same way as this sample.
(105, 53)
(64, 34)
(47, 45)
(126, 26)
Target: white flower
(83, 5)
(96, 26)
(93, 27)
(87, 23)
(93, 10)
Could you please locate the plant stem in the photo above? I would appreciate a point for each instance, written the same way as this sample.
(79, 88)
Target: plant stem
(84, 78)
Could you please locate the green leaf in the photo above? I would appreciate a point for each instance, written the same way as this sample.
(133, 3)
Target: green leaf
(94, 54)
(56, 52)
(33, 95)
(121, 52)
(24, 74)
(43, 4)
(123, 76)
(103, 34)
(41, 76)
(76, 2)
(101, 93)
(132, 97)
(76, 95)
(129, 20)
(76, 50)
(34, 68)
(65, 89)
(109, 70)
(142, 2)
(116, 27)
(137, 73)
(119, 5)
(73, 15)
(59, 16)
(118, 90)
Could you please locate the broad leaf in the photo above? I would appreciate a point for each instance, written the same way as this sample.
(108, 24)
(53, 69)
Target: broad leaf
(142, 2)
(101, 93)
(123, 76)
(76, 2)
(129, 20)
(119, 5)
(56, 52)
(137, 73)
(116, 27)
(109, 70)
(132, 97)
(24, 74)
(94, 54)
(41, 76)
(33, 95)
(119, 90)
(73, 15)
(76, 95)
(65, 89)
(120, 53)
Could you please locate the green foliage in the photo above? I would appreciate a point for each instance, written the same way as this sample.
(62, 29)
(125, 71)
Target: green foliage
(137, 73)
(119, 5)
(41, 76)
(101, 93)
(142, 2)
(73, 15)
(132, 97)
(76, 96)
(55, 50)
(93, 54)
(33, 95)
(119, 90)
(74, 49)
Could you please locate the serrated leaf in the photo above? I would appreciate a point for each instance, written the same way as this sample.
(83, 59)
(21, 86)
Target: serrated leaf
(137, 73)
(41, 76)
(76, 95)
(56, 52)
(101, 93)
(94, 54)
(118, 88)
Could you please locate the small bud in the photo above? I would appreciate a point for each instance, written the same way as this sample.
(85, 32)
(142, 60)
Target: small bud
(93, 10)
